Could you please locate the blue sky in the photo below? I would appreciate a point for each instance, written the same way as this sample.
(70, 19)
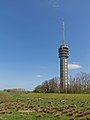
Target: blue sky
(30, 34)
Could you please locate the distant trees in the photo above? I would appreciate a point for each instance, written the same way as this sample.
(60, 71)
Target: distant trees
(80, 83)
(48, 86)
(15, 90)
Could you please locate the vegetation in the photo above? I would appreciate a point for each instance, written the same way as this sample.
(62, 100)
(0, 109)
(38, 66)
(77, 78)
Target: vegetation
(51, 86)
(80, 83)
(43, 106)
(48, 103)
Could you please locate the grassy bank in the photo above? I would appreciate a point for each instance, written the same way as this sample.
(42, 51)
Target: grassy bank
(39, 106)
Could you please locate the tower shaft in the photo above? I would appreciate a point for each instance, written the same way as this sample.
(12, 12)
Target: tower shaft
(63, 73)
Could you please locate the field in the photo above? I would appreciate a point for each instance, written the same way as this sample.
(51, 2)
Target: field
(39, 106)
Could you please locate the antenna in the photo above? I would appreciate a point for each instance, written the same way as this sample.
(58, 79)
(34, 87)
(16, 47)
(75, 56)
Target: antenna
(63, 37)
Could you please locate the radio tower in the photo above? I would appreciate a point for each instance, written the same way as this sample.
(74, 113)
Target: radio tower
(63, 55)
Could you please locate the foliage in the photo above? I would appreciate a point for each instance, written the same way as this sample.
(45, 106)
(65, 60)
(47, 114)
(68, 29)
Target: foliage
(50, 86)
(80, 83)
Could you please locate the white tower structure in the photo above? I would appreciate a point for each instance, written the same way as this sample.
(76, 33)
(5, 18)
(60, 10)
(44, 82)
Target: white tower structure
(63, 55)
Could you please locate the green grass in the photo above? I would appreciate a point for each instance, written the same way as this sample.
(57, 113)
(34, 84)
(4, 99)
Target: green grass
(41, 106)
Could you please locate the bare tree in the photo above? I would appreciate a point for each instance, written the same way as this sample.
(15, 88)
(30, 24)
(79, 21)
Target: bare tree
(80, 82)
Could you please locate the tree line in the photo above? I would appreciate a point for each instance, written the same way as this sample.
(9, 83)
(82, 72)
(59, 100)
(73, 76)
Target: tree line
(80, 83)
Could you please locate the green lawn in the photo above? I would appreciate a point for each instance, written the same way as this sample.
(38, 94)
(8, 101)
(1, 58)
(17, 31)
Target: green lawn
(41, 106)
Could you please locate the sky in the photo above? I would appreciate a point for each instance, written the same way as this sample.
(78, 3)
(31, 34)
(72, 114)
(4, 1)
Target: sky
(30, 35)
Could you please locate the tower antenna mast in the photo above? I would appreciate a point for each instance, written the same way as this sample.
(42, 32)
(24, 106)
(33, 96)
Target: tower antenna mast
(63, 36)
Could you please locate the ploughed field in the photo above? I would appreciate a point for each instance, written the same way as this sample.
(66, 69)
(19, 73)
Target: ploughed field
(41, 106)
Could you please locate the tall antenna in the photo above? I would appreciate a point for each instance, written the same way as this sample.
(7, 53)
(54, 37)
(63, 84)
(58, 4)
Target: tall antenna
(63, 37)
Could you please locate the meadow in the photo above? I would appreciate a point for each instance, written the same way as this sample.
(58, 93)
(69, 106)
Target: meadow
(42, 106)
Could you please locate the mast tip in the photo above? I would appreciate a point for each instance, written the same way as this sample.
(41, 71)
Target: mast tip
(63, 31)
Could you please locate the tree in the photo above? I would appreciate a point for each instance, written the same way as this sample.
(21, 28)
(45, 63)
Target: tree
(49, 86)
(38, 89)
(45, 86)
(53, 85)
(80, 83)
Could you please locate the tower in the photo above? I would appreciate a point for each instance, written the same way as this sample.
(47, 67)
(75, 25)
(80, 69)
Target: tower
(63, 55)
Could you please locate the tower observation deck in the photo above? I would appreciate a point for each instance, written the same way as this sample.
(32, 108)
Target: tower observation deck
(63, 55)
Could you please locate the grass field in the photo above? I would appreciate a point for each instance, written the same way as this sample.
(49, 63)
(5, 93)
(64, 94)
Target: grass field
(38, 106)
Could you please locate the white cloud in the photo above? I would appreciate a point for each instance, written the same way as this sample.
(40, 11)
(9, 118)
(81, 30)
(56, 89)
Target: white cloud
(74, 66)
(39, 76)
(54, 3)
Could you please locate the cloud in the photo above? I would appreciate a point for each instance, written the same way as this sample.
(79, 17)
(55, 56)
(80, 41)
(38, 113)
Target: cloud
(39, 76)
(54, 3)
(74, 66)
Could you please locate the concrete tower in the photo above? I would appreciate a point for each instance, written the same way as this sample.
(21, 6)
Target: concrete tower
(63, 55)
